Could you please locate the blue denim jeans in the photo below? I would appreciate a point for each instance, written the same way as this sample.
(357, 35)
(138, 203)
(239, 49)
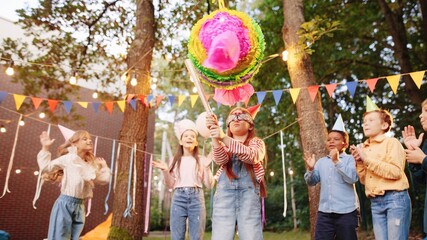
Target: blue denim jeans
(391, 215)
(237, 206)
(188, 203)
(67, 218)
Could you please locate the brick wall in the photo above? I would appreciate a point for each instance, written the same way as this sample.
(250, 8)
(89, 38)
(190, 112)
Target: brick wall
(17, 215)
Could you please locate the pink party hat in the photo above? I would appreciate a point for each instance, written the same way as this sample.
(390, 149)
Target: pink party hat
(66, 132)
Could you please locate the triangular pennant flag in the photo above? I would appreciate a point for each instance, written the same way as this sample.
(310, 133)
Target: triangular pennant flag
(19, 99)
(261, 96)
(83, 104)
(129, 97)
(109, 106)
(171, 99)
(394, 82)
(2, 96)
(66, 132)
(207, 96)
(52, 104)
(371, 83)
(159, 99)
(181, 99)
(312, 90)
(193, 99)
(331, 88)
(370, 106)
(36, 102)
(143, 99)
(132, 103)
(67, 105)
(294, 93)
(121, 105)
(351, 86)
(95, 106)
(277, 94)
(339, 124)
(246, 102)
(149, 97)
(417, 77)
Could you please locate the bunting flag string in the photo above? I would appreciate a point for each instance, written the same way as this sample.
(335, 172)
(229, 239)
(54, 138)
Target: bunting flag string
(155, 101)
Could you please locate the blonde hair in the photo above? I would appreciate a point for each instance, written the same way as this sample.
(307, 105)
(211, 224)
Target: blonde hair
(89, 157)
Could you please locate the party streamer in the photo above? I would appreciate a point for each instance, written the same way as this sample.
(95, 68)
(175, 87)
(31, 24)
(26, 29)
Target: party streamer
(12, 156)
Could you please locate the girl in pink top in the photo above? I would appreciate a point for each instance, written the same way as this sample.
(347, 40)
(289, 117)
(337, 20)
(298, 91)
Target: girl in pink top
(186, 174)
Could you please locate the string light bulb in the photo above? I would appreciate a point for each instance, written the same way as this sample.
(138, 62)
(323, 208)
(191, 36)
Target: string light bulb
(22, 122)
(10, 71)
(285, 55)
(73, 79)
(3, 129)
(133, 81)
(153, 86)
(42, 115)
(95, 95)
(194, 90)
(291, 171)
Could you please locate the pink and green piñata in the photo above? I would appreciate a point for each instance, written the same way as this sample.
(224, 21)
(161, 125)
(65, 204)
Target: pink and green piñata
(227, 48)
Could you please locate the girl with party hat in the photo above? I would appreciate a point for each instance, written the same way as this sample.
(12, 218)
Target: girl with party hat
(78, 170)
(380, 165)
(187, 172)
(240, 154)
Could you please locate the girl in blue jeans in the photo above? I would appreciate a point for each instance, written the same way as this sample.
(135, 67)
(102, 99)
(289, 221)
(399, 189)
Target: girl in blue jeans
(237, 200)
(185, 175)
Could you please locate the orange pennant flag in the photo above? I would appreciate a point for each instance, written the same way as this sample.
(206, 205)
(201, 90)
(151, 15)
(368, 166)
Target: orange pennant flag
(294, 93)
(417, 77)
(207, 96)
(181, 99)
(19, 99)
(371, 83)
(394, 82)
(143, 99)
(83, 104)
(121, 105)
(52, 104)
(158, 100)
(193, 99)
(109, 106)
(331, 88)
(36, 102)
(312, 90)
(129, 97)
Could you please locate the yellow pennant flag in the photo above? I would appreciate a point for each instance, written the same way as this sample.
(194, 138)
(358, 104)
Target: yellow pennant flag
(19, 99)
(394, 82)
(121, 104)
(417, 77)
(294, 93)
(83, 104)
(181, 99)
(193, 99)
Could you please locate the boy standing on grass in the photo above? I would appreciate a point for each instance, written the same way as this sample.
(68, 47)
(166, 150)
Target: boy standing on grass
(380, 164)
(337, 215)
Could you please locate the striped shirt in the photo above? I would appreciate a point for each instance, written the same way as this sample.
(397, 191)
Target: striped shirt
(253, 154)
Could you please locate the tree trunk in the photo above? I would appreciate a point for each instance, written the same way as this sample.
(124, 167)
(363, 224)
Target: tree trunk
(134, 130)
(398, 31)
(312, 124)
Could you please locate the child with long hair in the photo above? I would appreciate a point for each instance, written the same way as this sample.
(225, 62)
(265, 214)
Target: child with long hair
(186, 174)
(240, 154)
(77, 169)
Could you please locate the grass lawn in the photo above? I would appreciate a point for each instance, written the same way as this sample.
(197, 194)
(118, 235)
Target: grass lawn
(300, 235)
